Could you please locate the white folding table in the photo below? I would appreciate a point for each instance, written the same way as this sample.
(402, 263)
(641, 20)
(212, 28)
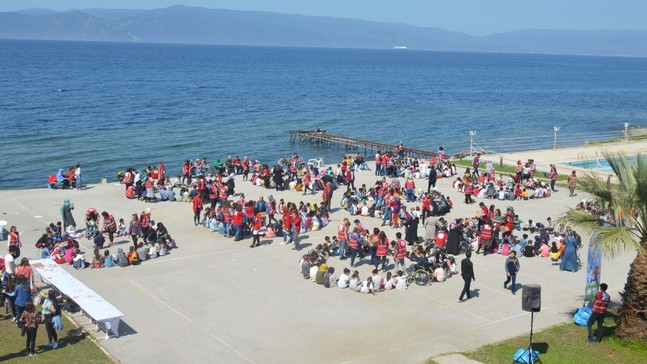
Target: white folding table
(102, 312)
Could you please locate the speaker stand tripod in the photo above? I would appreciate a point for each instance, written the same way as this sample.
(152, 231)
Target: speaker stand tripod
(531, 353)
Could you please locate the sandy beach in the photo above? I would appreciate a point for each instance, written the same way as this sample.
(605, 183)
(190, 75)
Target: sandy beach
(214, 300)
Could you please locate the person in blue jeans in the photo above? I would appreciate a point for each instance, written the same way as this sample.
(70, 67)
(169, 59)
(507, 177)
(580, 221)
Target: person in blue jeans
(511, 270)
(387, 216)
(22, 294)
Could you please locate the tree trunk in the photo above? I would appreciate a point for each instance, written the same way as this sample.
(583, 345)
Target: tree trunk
(632, 324)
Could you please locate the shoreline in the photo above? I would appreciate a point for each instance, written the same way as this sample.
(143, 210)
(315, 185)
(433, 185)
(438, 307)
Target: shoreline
(543, 157)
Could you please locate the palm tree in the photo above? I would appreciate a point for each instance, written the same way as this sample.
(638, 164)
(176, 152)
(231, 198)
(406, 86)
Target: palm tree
(625, 197)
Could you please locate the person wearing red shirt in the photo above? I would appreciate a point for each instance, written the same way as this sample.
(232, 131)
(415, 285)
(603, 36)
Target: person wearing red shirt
(287, 226)
(161, 171)
(237, 222)
(257, 231)
(296, 228)
(225, 210)
(307, 180)
(600, 305)
(197, 208)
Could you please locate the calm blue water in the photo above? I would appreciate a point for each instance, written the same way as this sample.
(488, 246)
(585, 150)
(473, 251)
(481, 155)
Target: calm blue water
(597, 164)
(110, 106)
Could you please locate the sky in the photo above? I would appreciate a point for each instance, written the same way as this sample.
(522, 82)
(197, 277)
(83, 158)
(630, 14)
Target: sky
(477, 17)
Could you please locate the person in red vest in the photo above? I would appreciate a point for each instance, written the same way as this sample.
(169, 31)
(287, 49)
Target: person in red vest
(129, 178)
(287, 226)
(441, 238)
(14, 240)
(109, 226)
(486, 237)
(342, 236)
(296, 228)
(237, 222)
(145, 223)
(197, 208)
(400, 251)
(468, 190)
(307, 180)
(161, 171)
(382, 250)
(600, 305)
(257, 229)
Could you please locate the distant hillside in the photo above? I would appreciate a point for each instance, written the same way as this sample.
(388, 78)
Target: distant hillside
(181, 24)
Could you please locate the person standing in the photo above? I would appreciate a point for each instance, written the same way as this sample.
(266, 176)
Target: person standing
(197, 208)
(475, 164)
(553, 178)
(77, 175)
(342, 236)
(400, 251)
(467, 272)
(433, 176)
(30, 319)
(572, 182)
(511, 270)
(600, 305)
(109, 226)
(50, 310)
(66, 213)
(296, 229)
(134, 229)
(14, 241)
(382, 250)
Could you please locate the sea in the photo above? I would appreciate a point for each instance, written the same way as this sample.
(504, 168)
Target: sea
(110, 106)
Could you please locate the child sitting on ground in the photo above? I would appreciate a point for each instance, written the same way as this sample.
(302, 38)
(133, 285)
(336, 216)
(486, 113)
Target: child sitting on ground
(152, 252)
(122, 228)
(389, 283)
(354, 283)
(108, 259)
(97, 261)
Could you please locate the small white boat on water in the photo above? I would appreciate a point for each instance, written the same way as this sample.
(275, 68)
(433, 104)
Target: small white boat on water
(401, 48)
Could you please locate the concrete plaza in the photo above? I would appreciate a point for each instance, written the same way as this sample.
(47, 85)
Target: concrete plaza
(214, 300)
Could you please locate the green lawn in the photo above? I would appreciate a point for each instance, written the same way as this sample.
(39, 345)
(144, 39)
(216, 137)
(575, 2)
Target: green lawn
(507, 169)
(12, 346)
(566, 344)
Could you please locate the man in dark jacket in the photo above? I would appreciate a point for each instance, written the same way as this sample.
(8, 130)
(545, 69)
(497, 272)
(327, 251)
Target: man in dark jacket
(511, 269)
(432, 179)
(467, 272)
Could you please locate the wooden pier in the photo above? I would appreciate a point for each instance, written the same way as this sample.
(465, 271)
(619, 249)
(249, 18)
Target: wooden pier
(353, 144)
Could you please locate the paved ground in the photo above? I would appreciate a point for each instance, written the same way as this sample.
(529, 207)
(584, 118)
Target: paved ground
(217, 301)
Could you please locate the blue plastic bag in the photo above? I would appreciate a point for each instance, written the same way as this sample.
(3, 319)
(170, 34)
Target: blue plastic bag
(581, 317)
(523, 356)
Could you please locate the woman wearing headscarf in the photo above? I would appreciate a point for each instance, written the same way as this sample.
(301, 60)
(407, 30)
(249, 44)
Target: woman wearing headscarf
(66, 213)
(569, 258)
(61, 178)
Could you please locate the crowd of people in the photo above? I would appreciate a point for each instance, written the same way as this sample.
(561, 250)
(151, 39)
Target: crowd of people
(70, 179)
(216, 206)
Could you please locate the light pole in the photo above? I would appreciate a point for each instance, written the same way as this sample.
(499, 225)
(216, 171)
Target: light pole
(556, 129)
(626, 131)
(472, 133)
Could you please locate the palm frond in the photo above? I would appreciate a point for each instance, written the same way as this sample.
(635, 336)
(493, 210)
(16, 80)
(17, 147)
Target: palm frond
(625, 196)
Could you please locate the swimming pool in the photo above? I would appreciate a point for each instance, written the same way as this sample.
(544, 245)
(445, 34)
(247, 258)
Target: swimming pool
(599, 164)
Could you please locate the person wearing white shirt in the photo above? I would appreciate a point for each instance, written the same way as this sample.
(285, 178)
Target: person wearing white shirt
(367, 286)
(9, 261)
(376, 279)
(344, 279)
